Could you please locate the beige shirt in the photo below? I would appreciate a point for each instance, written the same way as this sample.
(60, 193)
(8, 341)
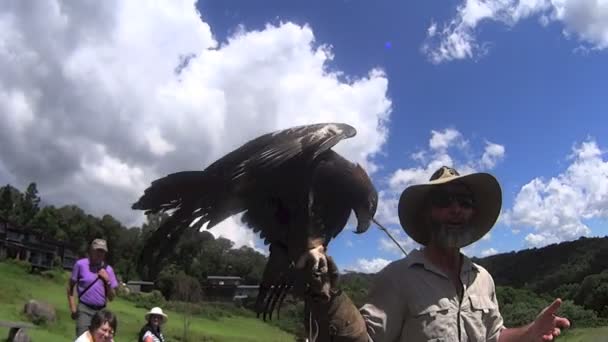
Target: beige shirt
(412, 300)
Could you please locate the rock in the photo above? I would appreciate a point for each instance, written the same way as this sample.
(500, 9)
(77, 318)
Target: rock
(20, 336)
(40, 312)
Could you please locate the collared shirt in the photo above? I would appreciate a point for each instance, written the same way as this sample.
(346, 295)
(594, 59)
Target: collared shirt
(83, 273)
(413, 300)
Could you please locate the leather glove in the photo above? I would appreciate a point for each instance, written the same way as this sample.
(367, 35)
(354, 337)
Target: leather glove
(333, 313)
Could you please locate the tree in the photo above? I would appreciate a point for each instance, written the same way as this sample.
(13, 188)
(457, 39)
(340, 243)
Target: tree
(11, 200)
(30, 205)
(49, 220)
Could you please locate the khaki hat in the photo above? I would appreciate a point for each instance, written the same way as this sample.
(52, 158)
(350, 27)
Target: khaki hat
(99, 244)
(157, 311)
(486, 192)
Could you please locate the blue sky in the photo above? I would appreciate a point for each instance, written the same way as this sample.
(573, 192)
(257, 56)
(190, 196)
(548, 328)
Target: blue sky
(94, 111)
(531, 92)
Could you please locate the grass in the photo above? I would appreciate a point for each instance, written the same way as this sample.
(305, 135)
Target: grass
(585, 335)
(18, 286)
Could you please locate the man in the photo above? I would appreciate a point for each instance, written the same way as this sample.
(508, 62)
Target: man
(436, 293)
(96, 283)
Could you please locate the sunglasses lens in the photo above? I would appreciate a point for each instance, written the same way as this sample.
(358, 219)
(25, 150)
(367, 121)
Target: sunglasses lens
(465, 202)
(444, 200)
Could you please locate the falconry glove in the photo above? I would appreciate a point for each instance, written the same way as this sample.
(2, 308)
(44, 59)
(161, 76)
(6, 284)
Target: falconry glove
(332, 314)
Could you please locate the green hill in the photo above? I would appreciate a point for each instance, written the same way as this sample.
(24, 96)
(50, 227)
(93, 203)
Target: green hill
(18, 286)
(544, 269)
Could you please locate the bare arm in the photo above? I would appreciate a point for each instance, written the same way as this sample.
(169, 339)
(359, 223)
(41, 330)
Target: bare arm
(70, 293)
(105, 277)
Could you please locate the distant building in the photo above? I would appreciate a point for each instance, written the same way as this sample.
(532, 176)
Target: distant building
(246, 291)
(40, 251)
(140, 286)
(224, 280)
(224, 288)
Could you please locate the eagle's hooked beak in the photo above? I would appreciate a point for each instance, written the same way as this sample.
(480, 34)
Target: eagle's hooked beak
(364, 220)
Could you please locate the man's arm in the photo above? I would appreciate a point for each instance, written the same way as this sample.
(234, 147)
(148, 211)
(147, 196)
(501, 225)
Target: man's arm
(109, 281)
(546, 327)
(71, 301)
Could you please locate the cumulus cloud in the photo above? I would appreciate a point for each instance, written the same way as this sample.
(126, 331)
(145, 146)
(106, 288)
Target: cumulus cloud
(585, 20)
(492, 154)
(369, 266)
(556, 208)
(488, 252)
(450, 148)
(94, 109)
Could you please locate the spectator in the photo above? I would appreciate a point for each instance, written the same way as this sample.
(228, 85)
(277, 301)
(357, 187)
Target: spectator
(151, 332)
(102, 328)
(95, 282)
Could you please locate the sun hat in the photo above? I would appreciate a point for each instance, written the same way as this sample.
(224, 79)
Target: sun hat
(157, 311)
(486, 192)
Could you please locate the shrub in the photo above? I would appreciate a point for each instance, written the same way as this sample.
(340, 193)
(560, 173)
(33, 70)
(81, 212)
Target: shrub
(146, 300)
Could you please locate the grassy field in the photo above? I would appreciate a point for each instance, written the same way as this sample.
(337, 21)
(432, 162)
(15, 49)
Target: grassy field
(17, 287)
(586, 335)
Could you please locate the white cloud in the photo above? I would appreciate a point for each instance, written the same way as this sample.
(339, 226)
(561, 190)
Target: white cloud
(556, 208)
(492, 154)
(442, 140)
(587, 20)
(97, 108)
(488, 252)
(447, 147)
(369, 266)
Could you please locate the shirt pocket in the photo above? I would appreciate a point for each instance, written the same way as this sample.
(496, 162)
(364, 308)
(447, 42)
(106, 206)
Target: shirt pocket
(483, 310)
(435, 322)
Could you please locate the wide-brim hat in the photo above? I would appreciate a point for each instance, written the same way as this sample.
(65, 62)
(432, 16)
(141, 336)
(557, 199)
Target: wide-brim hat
(487, 196)
(157, 311)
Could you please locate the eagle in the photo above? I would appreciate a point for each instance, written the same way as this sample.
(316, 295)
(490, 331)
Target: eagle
(291, 188)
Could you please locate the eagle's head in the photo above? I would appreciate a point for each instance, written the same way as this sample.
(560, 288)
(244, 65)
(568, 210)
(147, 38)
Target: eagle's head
(364, 199)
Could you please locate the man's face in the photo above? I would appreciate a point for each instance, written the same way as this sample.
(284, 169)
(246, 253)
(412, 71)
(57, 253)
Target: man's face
(452, 207)
(98, 255)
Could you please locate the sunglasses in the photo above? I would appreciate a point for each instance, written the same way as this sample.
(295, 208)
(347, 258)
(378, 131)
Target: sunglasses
(444, 199)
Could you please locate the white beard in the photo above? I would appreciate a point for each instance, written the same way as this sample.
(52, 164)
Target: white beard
(451, 238)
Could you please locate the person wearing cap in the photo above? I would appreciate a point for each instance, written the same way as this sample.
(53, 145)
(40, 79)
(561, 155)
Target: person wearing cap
(95, 283)
(151, 331)
(436, 293)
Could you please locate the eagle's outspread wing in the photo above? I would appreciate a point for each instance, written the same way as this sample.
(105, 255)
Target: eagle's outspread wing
(262, 172)
(294, 191)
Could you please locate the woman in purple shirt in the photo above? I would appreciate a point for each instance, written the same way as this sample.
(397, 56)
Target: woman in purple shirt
(95, 283)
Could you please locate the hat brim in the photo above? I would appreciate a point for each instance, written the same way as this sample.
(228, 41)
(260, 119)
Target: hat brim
(488, 202)
(164, 316)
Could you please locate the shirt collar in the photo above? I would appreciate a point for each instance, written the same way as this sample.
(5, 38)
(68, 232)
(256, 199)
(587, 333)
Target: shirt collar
(417, 257)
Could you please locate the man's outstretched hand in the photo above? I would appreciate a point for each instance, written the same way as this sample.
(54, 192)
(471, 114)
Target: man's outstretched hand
(547, 325)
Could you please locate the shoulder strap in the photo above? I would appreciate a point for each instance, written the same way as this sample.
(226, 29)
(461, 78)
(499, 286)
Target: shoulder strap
(88, 287)
(92, 283)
